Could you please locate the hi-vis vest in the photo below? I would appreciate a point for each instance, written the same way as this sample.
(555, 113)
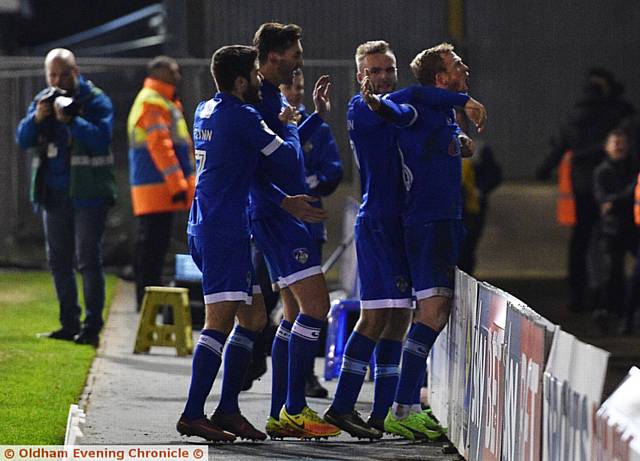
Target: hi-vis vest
(161, 161)
(566, 203)
(636, 203)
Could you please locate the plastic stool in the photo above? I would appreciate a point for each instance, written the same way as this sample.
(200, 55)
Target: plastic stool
(177, 335)
(337, 335)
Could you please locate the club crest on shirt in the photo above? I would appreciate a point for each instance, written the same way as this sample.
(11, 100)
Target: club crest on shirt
(402, 283)
(301, 255)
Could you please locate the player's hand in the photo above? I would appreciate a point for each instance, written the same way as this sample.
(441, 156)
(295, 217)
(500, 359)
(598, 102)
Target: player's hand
(43, 110)
(476, 113)
(300, 207)
(321, 98)
(289, 114)
(467, 146)
(366, 88)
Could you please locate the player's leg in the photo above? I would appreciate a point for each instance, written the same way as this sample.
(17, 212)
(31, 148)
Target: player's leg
(312, 297)
(226, 282)
(387, 358)
(384, 287)
(288, 246)
(432, 250)
(280, 367)
(207, 358)
(251, 320)
(267, 236)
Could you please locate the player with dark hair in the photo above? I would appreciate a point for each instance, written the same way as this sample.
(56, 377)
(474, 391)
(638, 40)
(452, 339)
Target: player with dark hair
(287, 244)
(229, 136)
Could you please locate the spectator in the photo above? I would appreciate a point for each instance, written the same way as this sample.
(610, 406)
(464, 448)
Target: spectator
(161, 171)
(68, 130)
(601, 109)
(614, 182)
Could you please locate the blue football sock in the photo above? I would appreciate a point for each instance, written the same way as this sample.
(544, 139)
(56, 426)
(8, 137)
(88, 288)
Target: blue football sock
(303, 345)
(207, 358)
(414, 361)
(280, 368)
(237, 357)
(354, 367)
(388, 354)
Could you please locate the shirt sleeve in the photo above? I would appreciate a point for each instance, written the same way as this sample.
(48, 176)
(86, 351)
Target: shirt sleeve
(326, 170)
(437, 97)
(94, 130)
(27, 131)
(309, 127)
(263, 139)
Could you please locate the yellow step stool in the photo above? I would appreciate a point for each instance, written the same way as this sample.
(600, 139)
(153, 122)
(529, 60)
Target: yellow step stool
(177, 335)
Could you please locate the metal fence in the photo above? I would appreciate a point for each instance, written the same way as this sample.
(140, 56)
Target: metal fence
(21, 236)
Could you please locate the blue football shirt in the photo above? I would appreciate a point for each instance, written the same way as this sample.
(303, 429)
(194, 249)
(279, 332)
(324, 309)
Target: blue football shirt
(229, 138)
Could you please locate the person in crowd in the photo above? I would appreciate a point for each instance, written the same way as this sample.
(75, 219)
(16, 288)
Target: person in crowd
(614, 182)
(68, 130)
(161, 170)
(287, 244)
(601, 109)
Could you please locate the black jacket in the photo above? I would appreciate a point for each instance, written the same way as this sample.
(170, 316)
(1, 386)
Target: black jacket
(615, 182)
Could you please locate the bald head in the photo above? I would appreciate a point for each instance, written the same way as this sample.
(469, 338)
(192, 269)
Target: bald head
(61, 70)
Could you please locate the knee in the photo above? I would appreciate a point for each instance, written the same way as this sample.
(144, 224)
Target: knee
(397, 324)
(371, 327)
(218, 323)
(255, 322)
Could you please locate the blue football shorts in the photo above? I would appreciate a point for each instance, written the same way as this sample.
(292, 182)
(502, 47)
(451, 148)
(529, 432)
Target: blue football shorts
(290, 251)
(227, 272)
(432, 250)
(382, 264)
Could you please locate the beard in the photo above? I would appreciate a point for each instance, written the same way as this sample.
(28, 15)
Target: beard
(252, 95)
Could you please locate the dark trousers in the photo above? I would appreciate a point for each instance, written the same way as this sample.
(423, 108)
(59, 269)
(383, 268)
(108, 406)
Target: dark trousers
(586, 219)
(611, 287)
(152, 244)
(76, 232)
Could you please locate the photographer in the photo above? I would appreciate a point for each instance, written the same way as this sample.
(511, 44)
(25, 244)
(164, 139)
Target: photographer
(67, 130)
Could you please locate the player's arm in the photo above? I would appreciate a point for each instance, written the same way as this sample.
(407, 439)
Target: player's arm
(391, 111)
(324, 178)
(284, 152)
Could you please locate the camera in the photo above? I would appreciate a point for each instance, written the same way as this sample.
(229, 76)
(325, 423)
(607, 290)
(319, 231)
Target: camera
(62, 100)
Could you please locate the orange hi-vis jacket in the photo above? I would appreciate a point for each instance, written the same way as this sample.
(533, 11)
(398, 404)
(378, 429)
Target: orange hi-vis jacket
(161, 161)
(636, 203)
(566, 204)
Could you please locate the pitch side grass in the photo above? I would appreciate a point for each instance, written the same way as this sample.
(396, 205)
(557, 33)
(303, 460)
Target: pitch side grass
(39, 378)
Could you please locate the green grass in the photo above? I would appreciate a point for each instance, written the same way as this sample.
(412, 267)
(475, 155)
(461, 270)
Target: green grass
(39, 378)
